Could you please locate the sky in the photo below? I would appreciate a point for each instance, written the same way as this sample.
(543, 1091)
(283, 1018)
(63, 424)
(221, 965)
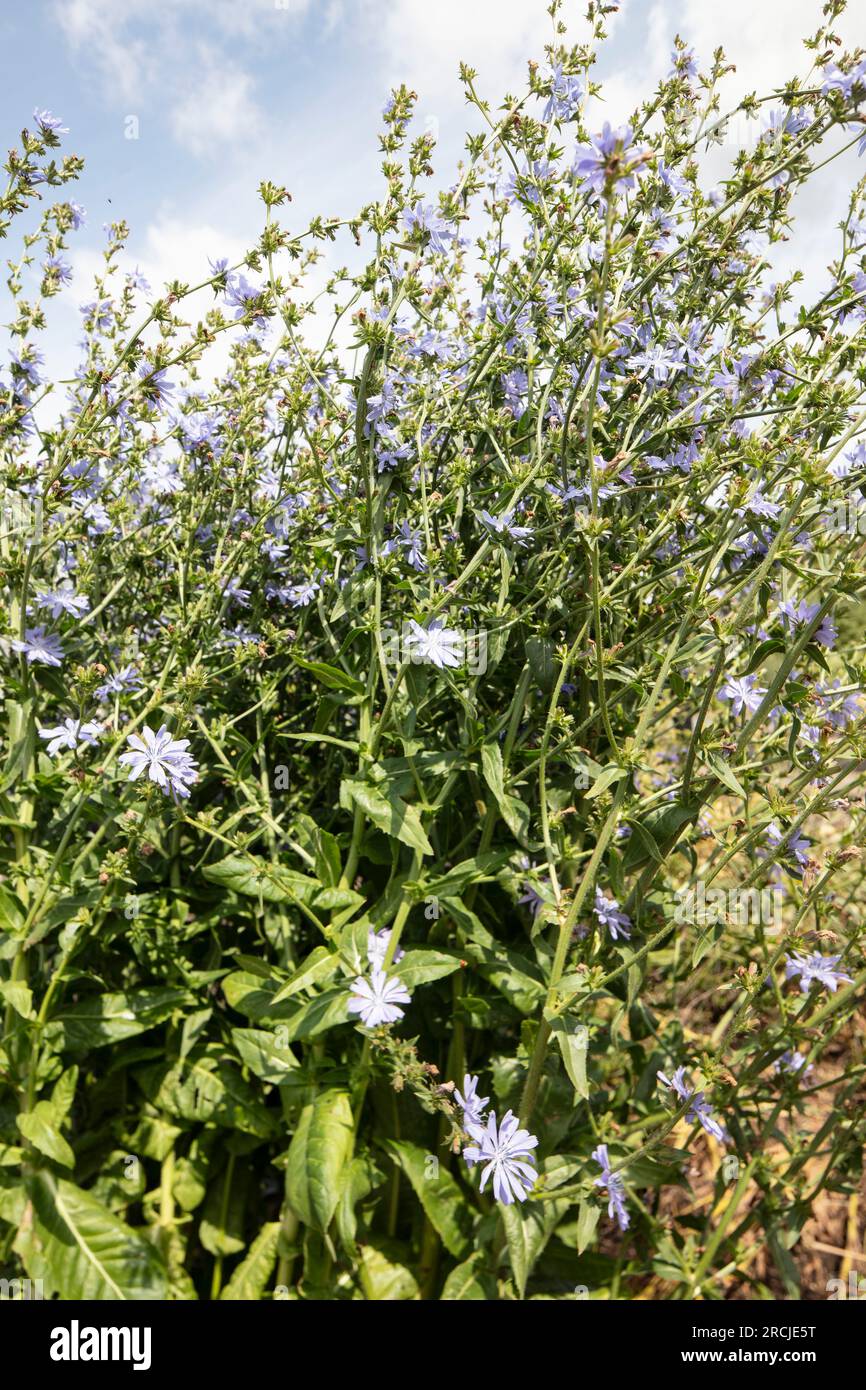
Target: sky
(181, 107)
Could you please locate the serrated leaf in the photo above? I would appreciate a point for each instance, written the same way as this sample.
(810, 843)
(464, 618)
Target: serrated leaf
(528, 1228)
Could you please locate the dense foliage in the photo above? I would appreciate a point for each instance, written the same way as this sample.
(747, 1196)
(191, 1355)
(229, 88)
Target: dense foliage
(464, 680)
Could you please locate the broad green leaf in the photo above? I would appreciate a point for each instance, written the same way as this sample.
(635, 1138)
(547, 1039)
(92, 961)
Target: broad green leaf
(318, 1154)
(360, 1178)
(444, 1204)
(254, 997)
(326, 1011)
(19, 997)
(333, 899)
(266, 1053)
(470, 1281)
(478, 870)
(111, 1018)
(573, 1043)
(383, 1277)
(251, 1276)
(259, 878)
(81, 1250)
(320, 965)
(64, 1094)
(419, 967)
(528, 1227)
(39, 1125)
(207, 1089)
(389, 813)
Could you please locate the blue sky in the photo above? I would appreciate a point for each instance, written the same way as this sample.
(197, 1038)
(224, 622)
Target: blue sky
(220, 94)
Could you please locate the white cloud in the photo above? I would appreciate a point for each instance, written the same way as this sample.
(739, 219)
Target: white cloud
(217, 110)
(423, 45)
(764, 40)
(181, 54)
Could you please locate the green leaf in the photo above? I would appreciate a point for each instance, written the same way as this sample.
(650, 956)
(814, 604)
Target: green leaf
(388, 812)
(320, 965)
(39, 1125)
(514, 812)
(111, 1018)
(608, 775)
(421, 966)
(12, 914)
(259, 878)
(267, 1054)
(384, 1278)
(320, 1150)
(249, 1280)
(81, 1250)
(334, 899)
(528, 1228)
(587, 1221)
(480, 869)
(722, 768)
(542, 661)
(205, 1088)
(771, 647)
(360, 1178)
(326, 1011)
(444, 1204)
(469, 1281)
(19, 997)
(662, 825)
(254, 997)
(573, 1043)
(221, 1228)
(331, 676)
